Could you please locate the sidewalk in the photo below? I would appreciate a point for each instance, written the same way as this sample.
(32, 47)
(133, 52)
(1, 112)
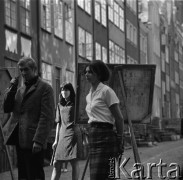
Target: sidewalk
(168, 151)
(48, 171)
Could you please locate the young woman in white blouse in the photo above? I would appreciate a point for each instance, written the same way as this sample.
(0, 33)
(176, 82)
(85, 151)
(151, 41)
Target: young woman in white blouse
(106, 141)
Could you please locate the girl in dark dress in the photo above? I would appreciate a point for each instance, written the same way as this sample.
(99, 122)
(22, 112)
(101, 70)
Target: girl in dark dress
(65, 144)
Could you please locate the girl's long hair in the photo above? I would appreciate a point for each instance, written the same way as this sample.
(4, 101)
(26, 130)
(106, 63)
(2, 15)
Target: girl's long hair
(67, 86)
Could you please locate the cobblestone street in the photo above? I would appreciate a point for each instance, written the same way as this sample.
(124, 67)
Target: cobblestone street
(169, 152)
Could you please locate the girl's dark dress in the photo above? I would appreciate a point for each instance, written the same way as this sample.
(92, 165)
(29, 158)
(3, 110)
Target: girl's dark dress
(67, 145)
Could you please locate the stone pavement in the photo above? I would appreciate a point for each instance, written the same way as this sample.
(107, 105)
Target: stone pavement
(169, 152)
(48, 171)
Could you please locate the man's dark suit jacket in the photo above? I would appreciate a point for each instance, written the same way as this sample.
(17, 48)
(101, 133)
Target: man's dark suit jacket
(33, 113)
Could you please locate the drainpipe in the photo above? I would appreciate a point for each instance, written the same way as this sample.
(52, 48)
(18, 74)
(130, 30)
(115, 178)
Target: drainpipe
(38, 38)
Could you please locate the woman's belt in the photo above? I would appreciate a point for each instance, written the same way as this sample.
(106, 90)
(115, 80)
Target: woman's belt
(101, 125)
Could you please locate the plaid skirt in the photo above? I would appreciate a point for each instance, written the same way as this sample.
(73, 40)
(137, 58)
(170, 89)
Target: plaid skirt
(103, 148)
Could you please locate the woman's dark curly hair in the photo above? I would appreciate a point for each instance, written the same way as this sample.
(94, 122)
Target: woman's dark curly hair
(101, 69)
(67, 86)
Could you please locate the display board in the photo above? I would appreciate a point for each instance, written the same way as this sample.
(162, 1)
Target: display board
(138, 82)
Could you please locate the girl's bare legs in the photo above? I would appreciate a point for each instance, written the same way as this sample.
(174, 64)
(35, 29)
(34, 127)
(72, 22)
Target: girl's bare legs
(75, 169)
(56, 173)
(65, 168)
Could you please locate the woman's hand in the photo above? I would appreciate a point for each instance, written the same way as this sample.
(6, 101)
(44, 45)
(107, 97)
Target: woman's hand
(120, 142)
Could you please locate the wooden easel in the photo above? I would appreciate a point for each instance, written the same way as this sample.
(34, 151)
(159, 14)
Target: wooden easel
(134, 144)
(7, 153)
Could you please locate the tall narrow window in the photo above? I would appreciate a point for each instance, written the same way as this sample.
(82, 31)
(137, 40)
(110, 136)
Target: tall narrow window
(25, 16)
(47, 72)
(25, 47)
(121, 19)
(11, 13)
(88, 46)
(98, 51)
(81, 3)
(116, 14)
(104, 13)
(104, 54)
(85, 44)
(46, 15)
(88, 6)
(11, 41)
(68, 23)
(97, 11)
(111, 10)
(111, 52)
(57, 83)
(58, 18)
(81, 42)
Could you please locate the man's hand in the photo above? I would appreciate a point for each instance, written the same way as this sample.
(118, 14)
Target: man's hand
(14, 82)
(36, 147)
(54, 146)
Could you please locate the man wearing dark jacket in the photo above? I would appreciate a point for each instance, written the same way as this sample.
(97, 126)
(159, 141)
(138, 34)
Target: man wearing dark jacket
(32, 117)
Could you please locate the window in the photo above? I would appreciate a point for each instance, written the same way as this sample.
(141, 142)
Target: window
(163, 62)
(11, 13)
(98, 51)
(25, 16)
(101, 52)
(104, 54)
(132, 4)
(116, 54)
(88, 46)
(57, 83)
(131, 60)
(68, 23)
(135, 37)
(104, 13)
(81, 3)
(167, 54)
(176, 56)
(167, 83)
(110, 10)
(58, 18)
(25, 47)
(121, 19)
(46, 15)
(116, 14)
(131, 33)
(176, 77)
(70, 77)
(85, 43)
(111, 52)
(81, 42)
(97, 11)
(128, 30)
(122, 55)
(86, 5)
(47, 72)
(11, 41)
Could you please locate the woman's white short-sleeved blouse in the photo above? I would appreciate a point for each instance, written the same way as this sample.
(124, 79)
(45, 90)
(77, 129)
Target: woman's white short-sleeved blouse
(98, 104)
